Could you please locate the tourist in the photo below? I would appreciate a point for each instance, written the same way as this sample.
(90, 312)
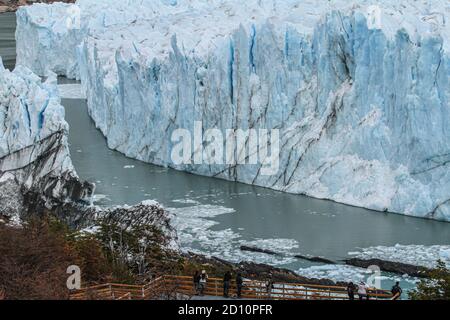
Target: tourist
(226, 283)
(351, 291)
(362, 291)
(269, 284)
(396, 291)
(196, 280)
(203, 279)
(239, 282)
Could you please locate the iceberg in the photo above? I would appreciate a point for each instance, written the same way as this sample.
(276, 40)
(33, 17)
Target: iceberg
(358, 89)
(36, 171)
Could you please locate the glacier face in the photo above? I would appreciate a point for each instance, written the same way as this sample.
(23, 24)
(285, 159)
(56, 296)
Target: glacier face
(359, 90)
(35, 165)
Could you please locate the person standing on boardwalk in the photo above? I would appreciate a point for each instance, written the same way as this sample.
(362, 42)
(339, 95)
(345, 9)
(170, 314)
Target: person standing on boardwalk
(362, 291)
(269, 285)
(396, 291)
(203, 279)
(239, 282)
(196, 280)
(351, 291)
(226, 283)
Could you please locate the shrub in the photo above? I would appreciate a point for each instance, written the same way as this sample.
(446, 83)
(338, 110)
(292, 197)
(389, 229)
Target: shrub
(436, 287)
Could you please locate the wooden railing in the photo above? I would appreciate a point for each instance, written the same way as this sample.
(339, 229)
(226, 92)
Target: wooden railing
(253, 289)
(114, 291)
(181, 287)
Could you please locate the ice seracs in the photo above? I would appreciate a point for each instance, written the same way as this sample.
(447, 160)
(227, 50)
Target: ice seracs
(359, 89)
(35, 166)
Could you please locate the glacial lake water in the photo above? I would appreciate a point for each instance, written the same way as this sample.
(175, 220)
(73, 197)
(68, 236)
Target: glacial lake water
(7, 39)
(216, 217)
(221, 215)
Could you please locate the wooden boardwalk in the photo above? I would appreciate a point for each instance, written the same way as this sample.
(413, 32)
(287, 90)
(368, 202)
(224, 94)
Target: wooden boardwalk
(170, 287)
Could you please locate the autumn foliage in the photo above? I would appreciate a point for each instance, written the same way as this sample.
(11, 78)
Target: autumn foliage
(34, 259)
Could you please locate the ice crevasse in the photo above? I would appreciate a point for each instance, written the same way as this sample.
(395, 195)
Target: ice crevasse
(358, 89)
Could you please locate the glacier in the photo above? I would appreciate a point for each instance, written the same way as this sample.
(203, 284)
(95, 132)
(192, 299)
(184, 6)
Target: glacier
(359, 89)
(36, 171)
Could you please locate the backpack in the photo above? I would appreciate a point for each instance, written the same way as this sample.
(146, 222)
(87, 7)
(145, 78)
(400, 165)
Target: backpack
(395, 290)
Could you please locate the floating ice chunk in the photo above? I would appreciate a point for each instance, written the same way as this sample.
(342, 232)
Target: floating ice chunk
(419, 255)
(185, 201)
(345, 273)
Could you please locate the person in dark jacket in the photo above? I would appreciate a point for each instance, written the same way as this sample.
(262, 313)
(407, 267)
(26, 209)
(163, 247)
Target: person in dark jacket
(239, 283)
(196, 280)
(396, 291)
(226, 283)
(203, 281)
(351, 291)
(270, 284)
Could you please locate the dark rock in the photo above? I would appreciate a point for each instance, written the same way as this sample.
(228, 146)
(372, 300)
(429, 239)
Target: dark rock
(390, 266)
(255, 249)
(13, 5)
(224, 262)
(315, 259)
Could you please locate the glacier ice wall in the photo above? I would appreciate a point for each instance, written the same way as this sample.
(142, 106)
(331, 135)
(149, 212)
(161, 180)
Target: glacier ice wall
(35, 163)
(360, 89)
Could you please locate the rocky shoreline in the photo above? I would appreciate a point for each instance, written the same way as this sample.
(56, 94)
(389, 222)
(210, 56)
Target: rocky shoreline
(13, 5)
(384, 265)
(390, 266)
(255, 271)
(298, 256)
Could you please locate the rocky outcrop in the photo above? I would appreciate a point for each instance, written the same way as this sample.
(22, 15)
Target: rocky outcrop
(146, 213)
(13, 5)
(255, 249)
(315, 259)
(299, 256)
(390, 266)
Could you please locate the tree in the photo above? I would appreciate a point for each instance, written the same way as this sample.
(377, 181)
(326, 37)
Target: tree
(435, 287)
(131, 249)
(126, 247)
(35, 256)
(34, 261)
